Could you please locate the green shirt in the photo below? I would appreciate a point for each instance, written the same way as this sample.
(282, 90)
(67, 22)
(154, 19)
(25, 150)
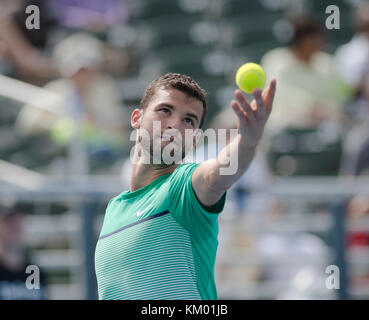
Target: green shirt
(159, 242)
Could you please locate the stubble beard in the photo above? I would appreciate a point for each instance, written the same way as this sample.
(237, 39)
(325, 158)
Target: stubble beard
(164, 164)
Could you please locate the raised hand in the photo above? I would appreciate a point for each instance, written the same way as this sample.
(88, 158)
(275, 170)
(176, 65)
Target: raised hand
(253, 116)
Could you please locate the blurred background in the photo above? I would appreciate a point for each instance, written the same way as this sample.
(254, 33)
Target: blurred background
(66, 93)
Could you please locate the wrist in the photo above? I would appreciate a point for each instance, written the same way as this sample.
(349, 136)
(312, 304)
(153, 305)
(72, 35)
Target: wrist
(246, 144)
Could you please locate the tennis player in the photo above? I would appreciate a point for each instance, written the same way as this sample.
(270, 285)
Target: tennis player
(159, 238)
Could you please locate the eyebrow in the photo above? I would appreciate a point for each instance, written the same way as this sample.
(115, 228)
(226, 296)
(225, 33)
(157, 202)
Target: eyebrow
(172, 107)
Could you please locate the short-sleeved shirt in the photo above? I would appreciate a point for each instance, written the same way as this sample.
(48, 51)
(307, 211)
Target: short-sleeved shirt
(159, 242)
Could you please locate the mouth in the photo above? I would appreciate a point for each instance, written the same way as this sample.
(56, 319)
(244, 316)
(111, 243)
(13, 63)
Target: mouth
(165, 138)
(172, 140)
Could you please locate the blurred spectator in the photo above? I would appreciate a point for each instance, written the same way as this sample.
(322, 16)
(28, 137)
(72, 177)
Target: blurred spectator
(29, 62)
(92, 108)
(309, 89)
(14, 260)
(353, 57)
(353, 61)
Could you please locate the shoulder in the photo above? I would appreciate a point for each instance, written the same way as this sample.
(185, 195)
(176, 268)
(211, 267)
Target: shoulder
(116, 200)
(277, 54)
(182, 175)
(184, 169)
(276, 60)
(324, 62)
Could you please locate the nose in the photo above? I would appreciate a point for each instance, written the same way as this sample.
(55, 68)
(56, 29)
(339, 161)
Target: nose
(174, 123)
(172, 129)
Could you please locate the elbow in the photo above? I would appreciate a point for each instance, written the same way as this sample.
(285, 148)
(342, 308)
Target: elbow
(216, 182)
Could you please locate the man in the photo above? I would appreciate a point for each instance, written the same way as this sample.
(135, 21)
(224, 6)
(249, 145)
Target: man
(159, 238)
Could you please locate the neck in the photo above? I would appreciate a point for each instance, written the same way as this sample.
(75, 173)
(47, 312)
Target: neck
(143, 173)
(302, 55)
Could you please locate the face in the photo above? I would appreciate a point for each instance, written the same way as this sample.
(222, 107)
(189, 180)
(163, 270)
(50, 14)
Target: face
(312, 43)
(175, 112)
(84, 77)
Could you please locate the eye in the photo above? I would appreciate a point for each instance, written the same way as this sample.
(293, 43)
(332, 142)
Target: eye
(164, 109)
(189, 120)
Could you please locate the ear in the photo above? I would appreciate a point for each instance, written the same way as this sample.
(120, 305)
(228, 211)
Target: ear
(136, 118)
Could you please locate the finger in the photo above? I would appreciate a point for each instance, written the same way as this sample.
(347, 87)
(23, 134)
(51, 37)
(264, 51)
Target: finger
(260, 112)
(241, 114)
(245, 105)
(269, 96)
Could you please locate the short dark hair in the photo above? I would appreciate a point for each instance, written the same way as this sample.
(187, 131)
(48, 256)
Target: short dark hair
(305, 25)
(179, 82)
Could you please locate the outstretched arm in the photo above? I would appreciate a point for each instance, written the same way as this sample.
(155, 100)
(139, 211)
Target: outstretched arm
(209, 179)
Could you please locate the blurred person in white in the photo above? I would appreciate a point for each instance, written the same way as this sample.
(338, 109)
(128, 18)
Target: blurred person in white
(353, 62)
(310, 90)
(92, 105)
(14, 260)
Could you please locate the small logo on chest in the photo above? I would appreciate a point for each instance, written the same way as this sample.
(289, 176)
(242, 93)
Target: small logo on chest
(141, 212)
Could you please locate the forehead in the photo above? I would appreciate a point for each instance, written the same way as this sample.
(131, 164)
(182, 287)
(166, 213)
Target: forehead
(177, 99)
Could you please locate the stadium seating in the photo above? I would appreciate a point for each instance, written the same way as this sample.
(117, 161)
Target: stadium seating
(304, 152)
(144, 9)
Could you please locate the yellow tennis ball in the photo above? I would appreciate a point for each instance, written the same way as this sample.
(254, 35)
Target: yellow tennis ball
(250, 76)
